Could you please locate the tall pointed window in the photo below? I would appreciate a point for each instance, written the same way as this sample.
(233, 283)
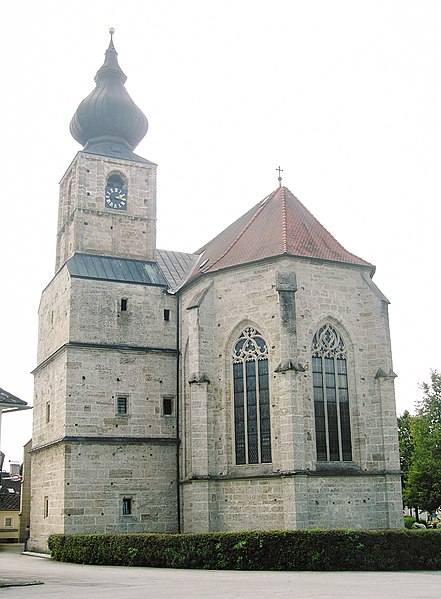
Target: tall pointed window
(252, 427)
(331, 398)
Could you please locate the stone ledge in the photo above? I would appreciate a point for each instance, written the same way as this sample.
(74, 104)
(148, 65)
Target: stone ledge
(18, 582)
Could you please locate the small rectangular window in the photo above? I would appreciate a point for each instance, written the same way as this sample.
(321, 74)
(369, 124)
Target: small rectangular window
(46, 507)
(124, 302)
(8, 522)
(166, 314)
(122, 405)
(167, 406)
(48, 411)
(126, 506)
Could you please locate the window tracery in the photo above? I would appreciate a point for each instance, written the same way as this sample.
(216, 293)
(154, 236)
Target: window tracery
(331, 396)
(252, 426)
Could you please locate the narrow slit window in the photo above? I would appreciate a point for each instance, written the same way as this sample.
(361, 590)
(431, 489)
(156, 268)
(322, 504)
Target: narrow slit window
(167, 406)
(48, 412)
(124, 302)
(46, 507)
(166, 314)
(126, 506)
(122, 405)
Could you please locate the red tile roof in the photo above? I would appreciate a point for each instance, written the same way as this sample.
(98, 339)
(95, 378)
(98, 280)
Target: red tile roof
(278, 225)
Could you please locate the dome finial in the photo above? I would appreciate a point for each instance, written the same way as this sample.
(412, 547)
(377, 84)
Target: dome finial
(108, 120)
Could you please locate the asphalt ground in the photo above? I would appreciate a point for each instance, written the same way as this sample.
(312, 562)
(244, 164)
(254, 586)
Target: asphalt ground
(30, 576)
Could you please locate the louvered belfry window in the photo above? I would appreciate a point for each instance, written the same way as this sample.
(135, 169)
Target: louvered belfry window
(252, 426)
(331, 397)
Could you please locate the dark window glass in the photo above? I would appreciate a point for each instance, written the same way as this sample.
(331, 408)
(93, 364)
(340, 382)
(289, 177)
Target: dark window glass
(115, 181)
(127, 506)
(265, 428)
(122, 406)
(331, 396)
(167, 406)
(239, 414)
(124, 305)
(166, 314)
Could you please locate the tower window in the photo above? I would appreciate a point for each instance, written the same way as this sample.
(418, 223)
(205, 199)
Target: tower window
(48, 411)
(252, 427)
(166, 314)
(331, 396)
(46, 507)
(122, 405)
(123, 304)
(126, 506)
(115, 195)
(167, 406)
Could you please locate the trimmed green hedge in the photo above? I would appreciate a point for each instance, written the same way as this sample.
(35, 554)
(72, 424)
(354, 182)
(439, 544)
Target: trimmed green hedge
(256, 550)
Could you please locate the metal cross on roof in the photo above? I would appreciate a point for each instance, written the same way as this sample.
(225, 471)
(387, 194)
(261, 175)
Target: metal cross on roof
(279, 177)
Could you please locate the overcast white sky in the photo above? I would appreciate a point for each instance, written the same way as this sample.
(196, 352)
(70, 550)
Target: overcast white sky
(345, 95)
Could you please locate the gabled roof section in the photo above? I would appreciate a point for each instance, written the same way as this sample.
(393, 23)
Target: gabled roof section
(10, 403)
(279, 225)
(175, 266)
(9, 493)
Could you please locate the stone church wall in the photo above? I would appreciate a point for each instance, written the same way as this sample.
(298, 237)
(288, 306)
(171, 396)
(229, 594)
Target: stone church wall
(214, 312)
(97, 378)
(48, 487)
(142, 324)
(49, 415)
(363, 502)
(102, 474)
(53, 316)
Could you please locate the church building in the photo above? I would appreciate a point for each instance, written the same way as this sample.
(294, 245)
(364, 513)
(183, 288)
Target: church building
(248, 385)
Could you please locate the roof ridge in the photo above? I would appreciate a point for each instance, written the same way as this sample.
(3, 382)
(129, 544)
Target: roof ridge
(314, 218)
(247, 226)
(284, 223)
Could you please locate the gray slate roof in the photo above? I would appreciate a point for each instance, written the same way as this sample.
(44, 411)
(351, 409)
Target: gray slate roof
(9, 492)
(176, 266)
(11, 403)
(124, 270)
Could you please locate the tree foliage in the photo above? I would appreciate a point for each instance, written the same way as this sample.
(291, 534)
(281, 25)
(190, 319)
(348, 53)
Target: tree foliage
(422, 481)
(407, 445)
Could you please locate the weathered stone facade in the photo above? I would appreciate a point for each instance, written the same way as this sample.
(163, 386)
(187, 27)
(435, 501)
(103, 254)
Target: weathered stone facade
(137, 410)
(294, 491)
(84, 225)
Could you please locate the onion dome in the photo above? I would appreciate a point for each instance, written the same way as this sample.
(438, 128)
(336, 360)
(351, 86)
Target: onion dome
(108, 121)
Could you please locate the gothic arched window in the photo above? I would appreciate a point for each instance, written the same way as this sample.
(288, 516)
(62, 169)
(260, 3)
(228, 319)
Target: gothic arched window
(331, 398)
(252, 428)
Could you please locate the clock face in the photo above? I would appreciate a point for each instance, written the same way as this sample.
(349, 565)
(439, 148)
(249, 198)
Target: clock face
(116, 197)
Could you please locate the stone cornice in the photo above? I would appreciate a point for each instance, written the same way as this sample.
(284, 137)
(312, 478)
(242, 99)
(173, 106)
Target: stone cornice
(106, 440)
(106, 346)
(290, 473)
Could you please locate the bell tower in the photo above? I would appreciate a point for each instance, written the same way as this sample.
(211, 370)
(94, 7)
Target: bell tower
(103, 445)
(108, 194)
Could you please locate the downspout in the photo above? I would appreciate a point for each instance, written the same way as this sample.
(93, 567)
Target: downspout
(178, 440)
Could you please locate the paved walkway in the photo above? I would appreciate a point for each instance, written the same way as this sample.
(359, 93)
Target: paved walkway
(70, 581)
